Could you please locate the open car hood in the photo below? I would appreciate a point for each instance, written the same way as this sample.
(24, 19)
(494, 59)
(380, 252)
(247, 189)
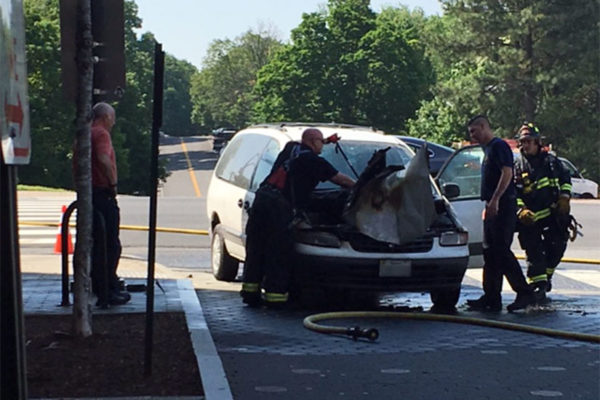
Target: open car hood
(392, 205)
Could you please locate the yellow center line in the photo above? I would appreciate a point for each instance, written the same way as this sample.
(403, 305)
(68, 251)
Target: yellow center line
(190, 169)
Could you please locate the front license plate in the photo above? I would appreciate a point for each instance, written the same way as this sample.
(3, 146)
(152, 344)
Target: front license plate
(394, 268)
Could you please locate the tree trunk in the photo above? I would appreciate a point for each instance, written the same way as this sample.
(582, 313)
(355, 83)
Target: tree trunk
(82, 307)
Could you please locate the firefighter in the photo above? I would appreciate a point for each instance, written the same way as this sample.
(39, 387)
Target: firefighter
(281, 197)
(543, 195)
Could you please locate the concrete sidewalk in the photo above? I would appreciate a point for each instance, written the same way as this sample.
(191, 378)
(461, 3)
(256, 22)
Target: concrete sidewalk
(174, 292)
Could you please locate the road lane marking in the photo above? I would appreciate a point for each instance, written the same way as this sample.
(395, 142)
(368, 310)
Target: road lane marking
(190, 169)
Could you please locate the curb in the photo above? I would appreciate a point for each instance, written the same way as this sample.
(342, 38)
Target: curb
(214, 380)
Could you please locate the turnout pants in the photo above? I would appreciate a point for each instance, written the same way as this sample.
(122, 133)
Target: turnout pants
(106, 250)
(269, 246)
(499, 260)
(544, 243)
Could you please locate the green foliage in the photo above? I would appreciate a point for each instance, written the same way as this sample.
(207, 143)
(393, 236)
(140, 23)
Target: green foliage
(513, 60)
(348, 65)
(52, 128)
(516, 61)
(51, 116)
(222, 92)
(177, 107)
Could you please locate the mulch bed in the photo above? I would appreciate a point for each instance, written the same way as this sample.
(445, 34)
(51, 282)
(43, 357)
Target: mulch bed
(111, 361)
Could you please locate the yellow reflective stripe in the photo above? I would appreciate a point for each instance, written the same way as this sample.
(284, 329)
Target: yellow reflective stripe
(276, 297)
(538, 278)
(566, 187)
(550, 271)
(520, 202)
(541, 214)
(542, 183)
(250, 287)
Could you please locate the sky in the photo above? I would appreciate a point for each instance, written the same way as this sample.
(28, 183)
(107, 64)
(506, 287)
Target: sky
(187, 27)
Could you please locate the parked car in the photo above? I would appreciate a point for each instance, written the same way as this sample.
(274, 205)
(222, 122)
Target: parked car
(220, 138)
(438, 154)
(583, 188)
(332, 254)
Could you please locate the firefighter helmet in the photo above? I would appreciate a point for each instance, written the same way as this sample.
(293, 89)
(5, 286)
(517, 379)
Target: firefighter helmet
(529, 131)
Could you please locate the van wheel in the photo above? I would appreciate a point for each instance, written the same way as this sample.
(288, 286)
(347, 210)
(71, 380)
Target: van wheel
(445, 299)
(224, 267)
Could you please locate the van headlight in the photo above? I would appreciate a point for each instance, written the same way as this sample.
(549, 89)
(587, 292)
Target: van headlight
(315, 238)
(454, 238)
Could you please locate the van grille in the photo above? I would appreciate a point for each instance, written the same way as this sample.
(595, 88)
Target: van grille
(365, 244)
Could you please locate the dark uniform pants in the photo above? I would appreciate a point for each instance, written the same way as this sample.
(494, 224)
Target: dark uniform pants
(499, 260)
(269, 245)
(544, 243)
(107, 245)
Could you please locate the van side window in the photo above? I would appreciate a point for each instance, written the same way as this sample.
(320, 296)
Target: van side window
(265, 164)
(238, 161)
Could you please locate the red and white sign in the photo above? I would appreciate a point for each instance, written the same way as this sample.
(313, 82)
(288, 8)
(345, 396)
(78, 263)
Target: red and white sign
(14, 105)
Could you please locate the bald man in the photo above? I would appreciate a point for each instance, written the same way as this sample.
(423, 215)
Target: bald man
(105, 282)
(285, 193)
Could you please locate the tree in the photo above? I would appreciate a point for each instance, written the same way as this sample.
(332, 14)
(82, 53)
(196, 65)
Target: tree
(516, 61)
(51, 115)
(350, 65)
(82, 259)
(177, 108)
(222, 92)
(52, 124)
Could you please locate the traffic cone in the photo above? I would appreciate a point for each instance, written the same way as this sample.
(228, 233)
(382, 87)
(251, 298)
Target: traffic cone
(58, 243)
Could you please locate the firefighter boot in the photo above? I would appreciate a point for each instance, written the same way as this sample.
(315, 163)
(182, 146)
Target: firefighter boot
(484, 303)
(539, 291)
(522, 301)
(251, 294)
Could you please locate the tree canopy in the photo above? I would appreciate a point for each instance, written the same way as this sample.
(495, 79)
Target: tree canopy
(399, 70)
(222, 92)
(348, 64)
(516, 61)
(52, 116)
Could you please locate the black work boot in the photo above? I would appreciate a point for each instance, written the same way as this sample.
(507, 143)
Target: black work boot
(251, 298)
(539, 292)
(549, 284)
(522, 301)
(484, 303)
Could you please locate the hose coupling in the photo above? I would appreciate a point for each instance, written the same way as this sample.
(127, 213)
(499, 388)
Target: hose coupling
(356, 332)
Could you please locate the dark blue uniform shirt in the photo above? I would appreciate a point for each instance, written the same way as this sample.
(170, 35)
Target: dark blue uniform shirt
(306, 171)
(497, 155)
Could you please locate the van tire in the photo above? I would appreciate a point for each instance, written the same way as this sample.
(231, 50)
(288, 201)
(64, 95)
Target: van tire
(224, 267)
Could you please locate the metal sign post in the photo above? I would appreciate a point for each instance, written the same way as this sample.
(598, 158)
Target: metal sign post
(159, 67)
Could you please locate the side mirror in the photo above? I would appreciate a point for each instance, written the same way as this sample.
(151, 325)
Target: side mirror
(450, 190)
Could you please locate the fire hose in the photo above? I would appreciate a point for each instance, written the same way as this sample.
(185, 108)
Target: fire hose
(372, 334)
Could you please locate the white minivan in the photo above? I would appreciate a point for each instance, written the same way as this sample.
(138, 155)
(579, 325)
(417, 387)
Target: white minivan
(331, 254)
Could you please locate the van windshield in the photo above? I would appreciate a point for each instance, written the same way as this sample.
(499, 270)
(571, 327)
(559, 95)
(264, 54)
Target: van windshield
(359, 153)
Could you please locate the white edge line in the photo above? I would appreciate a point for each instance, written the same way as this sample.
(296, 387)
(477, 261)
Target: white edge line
(214, 380)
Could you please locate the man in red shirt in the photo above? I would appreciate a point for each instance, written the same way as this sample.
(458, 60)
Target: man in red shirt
(107, 245)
